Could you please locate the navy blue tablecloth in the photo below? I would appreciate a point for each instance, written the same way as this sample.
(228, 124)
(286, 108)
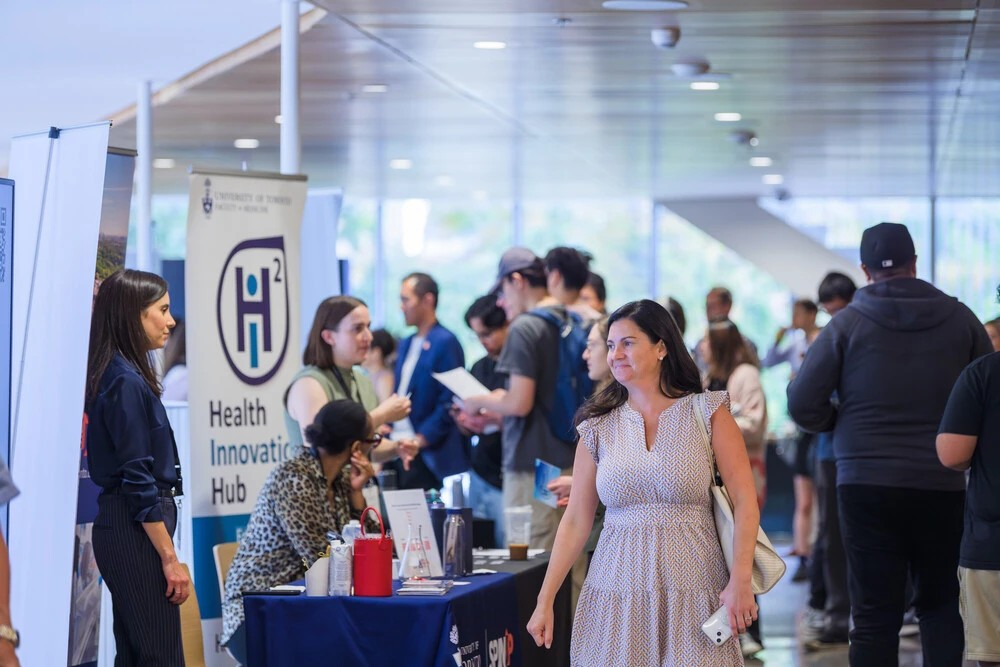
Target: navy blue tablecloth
(477, 621)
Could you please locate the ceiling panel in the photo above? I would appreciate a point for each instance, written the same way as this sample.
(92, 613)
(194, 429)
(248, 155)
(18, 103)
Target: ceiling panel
(847, 98)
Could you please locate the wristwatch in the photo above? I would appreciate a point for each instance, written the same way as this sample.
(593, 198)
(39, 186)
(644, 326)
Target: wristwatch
(11, 635)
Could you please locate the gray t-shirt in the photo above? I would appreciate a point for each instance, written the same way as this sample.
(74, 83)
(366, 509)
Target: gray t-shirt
(532, 350)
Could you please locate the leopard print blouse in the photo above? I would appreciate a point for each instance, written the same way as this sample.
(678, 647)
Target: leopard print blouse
(288, 526)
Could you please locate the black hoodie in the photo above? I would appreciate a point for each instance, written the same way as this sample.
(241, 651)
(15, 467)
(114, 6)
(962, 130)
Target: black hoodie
(892, 357)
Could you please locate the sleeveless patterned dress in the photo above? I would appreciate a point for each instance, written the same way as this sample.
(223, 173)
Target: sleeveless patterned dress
(658, 569)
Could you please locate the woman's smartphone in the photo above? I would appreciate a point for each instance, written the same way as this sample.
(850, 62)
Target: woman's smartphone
(717, 627)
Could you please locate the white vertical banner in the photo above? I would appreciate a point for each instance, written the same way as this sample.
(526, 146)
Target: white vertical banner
(320, 268)
(242, 305)
(59, 178)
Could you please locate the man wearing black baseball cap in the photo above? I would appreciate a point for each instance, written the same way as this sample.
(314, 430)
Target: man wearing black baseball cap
(892, 357)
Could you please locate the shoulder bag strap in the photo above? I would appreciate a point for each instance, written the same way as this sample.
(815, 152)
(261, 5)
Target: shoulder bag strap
(699, 415)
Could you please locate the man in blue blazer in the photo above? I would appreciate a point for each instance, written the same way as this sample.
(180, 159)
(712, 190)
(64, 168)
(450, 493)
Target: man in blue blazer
(432, 349)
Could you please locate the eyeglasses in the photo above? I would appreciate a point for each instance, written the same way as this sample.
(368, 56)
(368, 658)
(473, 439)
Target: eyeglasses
(374, 440)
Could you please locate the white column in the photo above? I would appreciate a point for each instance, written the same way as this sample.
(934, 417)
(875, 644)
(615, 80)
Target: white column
(654, 252)
(517, 191)
(291, 139)
(144, 176)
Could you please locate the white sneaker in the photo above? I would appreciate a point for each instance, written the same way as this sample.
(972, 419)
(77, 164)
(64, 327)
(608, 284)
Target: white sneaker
(814, 620)
(910, 627)
(749, 646)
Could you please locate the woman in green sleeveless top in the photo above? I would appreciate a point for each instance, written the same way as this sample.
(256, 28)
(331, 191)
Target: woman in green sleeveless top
(339, 339)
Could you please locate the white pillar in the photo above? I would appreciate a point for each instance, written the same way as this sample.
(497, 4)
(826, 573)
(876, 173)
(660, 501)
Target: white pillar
(291, 139)
(144, 176)
(517, 191)
(654, 252)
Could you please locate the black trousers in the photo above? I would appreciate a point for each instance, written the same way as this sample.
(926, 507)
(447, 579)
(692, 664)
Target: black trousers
(837, 603)
(147, 626)
(888, 533)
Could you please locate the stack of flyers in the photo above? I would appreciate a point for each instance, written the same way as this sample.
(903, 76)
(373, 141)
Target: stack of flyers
(425, 587)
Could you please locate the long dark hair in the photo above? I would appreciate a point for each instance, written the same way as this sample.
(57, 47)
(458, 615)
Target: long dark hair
(678, 373)
(328, 316)
(728, 349)
(116, 325)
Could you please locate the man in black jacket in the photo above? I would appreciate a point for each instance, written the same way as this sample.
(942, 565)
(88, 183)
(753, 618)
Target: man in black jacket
(892, 357)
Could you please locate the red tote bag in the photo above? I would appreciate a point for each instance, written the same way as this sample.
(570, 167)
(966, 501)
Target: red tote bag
(373, 561)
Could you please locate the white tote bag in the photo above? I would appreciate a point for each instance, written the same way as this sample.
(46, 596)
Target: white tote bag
(768, 567)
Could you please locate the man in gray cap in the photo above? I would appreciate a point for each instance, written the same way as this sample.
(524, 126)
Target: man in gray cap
(892, 357)
(530, 358)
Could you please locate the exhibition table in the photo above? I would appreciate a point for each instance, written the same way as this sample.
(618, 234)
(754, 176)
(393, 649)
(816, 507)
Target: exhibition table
(479, 622)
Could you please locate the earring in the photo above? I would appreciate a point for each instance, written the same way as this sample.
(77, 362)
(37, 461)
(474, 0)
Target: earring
(661, 358)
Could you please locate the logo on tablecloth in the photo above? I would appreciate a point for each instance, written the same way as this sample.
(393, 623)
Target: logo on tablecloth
(453, 635)
(500, 650)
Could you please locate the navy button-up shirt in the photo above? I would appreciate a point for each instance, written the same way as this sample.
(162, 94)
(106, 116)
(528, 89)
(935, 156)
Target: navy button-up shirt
(130, 446)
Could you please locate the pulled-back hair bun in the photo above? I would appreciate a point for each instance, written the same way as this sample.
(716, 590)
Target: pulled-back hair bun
(313, 433)
(337, 425)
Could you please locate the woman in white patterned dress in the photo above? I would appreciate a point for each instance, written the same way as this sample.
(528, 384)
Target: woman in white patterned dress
(658, 572)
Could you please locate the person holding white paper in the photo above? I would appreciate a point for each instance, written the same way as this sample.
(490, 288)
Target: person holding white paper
(489, 323)
(659, 571)
(530, 358)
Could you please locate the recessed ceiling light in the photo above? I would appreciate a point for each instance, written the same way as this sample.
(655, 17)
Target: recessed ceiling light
(760, 162)
(690, 67)
(163, 163)
(754, 141)
(246, 143)
(400, 163)
(728, 117)
(490, 46)
(374, 88)
(704, 85)
(277, 119)
(644, 5)
(444, 181)
(772, 179)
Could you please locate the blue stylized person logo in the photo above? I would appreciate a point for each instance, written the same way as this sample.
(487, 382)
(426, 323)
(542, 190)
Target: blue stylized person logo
(252, 309)
(260, 307)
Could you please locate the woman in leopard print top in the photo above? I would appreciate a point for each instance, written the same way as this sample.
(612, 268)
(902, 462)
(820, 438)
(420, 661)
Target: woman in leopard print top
(316, 491)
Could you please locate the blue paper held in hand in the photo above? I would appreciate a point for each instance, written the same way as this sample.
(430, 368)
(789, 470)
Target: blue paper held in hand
(544, 473)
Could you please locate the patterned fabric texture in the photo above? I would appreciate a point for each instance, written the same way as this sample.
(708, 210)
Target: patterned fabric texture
(658, 569)
(288, 526)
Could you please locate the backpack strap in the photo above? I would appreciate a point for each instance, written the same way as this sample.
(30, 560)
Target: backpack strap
(551, 318)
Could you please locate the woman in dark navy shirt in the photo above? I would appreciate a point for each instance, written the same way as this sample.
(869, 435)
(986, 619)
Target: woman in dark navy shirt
(133, 459)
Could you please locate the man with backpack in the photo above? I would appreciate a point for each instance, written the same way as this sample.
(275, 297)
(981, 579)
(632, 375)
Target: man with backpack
(545, 385)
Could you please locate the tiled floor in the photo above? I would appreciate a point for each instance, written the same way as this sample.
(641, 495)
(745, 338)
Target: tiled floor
(781, 611)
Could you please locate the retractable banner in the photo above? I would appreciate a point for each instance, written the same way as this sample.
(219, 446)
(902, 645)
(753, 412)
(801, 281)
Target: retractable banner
(243, 294)
(6, 252)
(85, 614)
(59, 187)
